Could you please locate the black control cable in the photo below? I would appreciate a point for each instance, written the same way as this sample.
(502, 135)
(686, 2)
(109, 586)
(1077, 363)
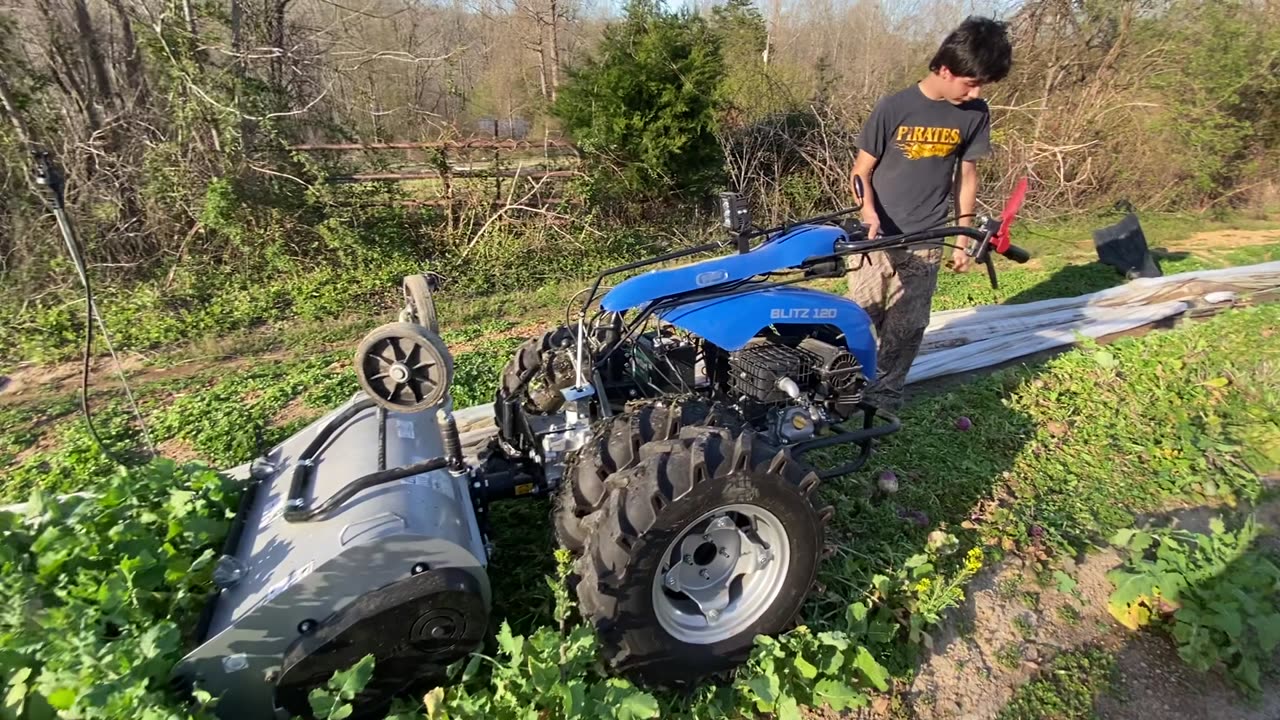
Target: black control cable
(49, 178)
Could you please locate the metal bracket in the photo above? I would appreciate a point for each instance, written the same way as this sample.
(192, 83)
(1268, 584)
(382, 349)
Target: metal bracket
(861, 437)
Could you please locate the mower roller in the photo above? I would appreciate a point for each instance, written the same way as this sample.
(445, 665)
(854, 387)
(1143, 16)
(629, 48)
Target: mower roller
(669, 422)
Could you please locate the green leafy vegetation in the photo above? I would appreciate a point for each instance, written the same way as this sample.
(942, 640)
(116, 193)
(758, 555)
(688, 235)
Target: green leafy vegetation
(1125, 428)
(101, 593)
(1215, 594)
(1065, 689)
(1009, 656)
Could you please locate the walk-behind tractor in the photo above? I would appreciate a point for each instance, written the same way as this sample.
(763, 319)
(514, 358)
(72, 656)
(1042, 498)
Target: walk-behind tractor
(669, 422)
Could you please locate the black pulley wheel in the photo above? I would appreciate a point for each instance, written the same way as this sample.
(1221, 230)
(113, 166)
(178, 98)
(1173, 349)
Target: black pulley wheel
(414, 628)
(421, 305)
(404, 367)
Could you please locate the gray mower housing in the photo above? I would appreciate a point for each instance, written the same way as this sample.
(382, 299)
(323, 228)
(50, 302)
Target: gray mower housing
(397, 570)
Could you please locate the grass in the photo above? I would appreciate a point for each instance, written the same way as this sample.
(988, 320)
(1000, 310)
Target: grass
(1065, 690)
(1024, 627)
(1009, 656)
(1069, 616)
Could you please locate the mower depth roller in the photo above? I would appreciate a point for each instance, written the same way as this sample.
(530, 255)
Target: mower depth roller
(669, 423)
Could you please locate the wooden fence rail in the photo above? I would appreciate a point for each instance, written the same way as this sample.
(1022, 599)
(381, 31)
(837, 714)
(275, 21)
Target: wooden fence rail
(435, 174)
(461, 152)
(476, 144)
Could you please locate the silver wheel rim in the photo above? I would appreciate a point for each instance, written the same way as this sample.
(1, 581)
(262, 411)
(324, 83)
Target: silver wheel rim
(721, 574)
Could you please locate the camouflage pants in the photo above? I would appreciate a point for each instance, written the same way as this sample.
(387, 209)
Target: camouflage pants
(896, 288)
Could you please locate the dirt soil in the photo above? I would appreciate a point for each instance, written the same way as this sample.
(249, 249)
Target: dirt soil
(30, 380)
(1224, 240)
(1010, 627)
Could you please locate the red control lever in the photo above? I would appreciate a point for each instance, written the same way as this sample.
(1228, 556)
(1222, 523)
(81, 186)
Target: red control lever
(1011, 208)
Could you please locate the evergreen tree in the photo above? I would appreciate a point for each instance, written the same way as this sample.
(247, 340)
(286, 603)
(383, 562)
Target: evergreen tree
(643, 108)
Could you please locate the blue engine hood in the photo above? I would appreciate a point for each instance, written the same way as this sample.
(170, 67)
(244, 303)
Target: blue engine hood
(779, 253)
(731, 321)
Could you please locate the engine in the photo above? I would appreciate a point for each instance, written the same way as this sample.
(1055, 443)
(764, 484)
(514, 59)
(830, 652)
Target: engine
(793, 386)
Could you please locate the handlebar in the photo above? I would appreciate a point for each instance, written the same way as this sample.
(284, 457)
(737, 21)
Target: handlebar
(1016, 254)
(980, 251)
(885, 242)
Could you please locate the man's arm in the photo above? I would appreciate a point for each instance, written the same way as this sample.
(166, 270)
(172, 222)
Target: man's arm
(967, 201)
(864, 166)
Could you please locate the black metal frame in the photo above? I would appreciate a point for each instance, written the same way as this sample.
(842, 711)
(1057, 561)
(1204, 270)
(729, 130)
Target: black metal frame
(863, 437)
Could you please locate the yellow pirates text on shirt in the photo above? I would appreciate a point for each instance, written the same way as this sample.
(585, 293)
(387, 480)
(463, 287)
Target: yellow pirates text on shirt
(925, 142)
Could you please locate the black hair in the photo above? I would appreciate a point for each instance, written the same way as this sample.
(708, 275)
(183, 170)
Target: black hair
(978, 48)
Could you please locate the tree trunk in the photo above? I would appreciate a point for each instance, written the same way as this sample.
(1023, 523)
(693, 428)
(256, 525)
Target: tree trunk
(771, 35)
(134, 76)
(555, 49)
(93, 54)
(237, 69)
(541, 48)
(276, 19)
(189, 14)
(237, 40)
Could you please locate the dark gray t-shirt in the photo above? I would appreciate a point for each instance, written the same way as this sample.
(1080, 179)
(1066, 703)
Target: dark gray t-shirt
(918, 142)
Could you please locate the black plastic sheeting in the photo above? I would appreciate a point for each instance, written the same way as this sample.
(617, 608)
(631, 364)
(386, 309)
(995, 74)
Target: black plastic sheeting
(1123, 246)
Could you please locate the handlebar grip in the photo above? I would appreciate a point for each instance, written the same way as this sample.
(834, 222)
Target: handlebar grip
(1016, 254)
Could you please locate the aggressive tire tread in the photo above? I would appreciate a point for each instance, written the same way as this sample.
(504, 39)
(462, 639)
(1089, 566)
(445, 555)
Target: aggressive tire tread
(634, 522)
(617, 444)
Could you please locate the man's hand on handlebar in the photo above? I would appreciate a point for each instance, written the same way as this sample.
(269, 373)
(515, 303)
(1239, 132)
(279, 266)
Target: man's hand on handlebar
(872, 224)
(960, 261)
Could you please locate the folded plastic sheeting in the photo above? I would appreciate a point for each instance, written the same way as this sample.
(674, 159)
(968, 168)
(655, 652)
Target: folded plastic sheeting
(1034, 335)
(965, 340)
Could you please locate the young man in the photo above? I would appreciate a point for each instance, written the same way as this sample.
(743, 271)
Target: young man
(908, 153)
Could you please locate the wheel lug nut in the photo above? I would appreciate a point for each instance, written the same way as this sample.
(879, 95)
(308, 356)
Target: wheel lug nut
(705, 575)
(688, 559)
(724, 552)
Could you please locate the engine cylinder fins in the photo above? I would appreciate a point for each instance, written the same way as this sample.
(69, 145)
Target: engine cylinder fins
(404, 367)
(838, 370)
(414, 628)
(755, 370)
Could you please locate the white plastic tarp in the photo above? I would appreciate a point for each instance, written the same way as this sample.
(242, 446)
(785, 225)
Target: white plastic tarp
(964, 340)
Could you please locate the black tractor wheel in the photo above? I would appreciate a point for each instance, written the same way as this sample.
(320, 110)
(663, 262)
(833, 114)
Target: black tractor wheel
(614, 446)
(540, 368)
(709, 540)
